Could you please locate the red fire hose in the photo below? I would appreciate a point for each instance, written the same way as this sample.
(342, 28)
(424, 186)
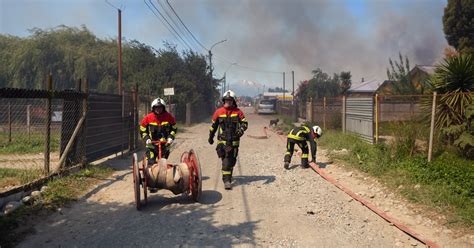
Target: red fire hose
(369, 205)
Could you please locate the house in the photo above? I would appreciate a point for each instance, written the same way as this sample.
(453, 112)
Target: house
(370, 87)
(419, 76)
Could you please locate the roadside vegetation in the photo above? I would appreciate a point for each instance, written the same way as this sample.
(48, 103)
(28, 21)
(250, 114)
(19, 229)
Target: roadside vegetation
(60, 192)
(445, 183)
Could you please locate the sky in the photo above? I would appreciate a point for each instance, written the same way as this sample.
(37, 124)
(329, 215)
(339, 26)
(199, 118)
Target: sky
(264, 37)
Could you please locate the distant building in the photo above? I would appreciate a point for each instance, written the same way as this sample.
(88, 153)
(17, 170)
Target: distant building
(277, 95)
(369, 88)
(419, 76)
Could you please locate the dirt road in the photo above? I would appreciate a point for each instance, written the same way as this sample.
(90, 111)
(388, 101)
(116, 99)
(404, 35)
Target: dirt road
(268, 206)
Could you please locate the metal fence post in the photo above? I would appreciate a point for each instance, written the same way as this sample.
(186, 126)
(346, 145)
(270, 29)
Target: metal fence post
(433, 112)
(309, 110)
(9, 122)
(376, 118)
(48, 124)
(123, 122)
(28, 120)
(84, 128)
(324, 113)
(188, 114)
(343, 114)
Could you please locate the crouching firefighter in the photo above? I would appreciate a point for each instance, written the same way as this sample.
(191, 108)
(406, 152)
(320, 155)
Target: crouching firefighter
(230, 124)
(158, 125)
(300, 136)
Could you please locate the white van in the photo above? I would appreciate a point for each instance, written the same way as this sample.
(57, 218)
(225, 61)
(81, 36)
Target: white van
(266, 107)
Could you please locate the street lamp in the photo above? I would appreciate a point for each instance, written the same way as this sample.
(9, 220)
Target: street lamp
(210, 55)
(225, 77)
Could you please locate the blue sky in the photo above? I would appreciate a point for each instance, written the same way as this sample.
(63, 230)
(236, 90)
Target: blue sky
(271, 35)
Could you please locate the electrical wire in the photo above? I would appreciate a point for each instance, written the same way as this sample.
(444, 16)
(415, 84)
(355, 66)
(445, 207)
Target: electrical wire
(175, 34)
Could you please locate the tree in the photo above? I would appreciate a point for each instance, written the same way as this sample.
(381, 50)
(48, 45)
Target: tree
(454, 78)
(458, 25)
(346, 82)
(398, 73)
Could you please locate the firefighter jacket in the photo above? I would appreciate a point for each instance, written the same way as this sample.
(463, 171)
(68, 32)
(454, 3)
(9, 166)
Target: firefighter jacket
(230, 124)
(303, 134)
(158, 127)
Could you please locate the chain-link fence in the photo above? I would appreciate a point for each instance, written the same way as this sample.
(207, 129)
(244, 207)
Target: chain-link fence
(43, 132)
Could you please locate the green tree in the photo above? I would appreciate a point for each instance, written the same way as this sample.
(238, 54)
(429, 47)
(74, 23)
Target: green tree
(399, 74)
(458, 25)
(454, 78)
(346, 81)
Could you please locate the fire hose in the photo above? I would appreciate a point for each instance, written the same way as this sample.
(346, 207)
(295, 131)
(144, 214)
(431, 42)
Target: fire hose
(367, 204)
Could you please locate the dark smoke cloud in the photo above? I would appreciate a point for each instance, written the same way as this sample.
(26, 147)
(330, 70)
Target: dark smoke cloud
(302, 35)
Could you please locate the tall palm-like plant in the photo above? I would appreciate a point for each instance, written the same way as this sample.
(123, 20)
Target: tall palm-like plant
(454, 80)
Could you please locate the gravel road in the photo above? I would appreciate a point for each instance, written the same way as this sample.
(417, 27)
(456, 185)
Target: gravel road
(269, 206)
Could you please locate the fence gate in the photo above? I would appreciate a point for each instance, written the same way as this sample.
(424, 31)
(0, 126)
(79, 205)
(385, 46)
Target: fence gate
(359, 117)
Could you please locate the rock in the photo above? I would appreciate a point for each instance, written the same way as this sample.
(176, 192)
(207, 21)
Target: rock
(27, 200)
(11, 206)
(400, 187)
(372, 195)
(398, 244)
(417, 186)
(349, 174)
(350, 200)
(44, 188)
(36, 194)
(414, 243)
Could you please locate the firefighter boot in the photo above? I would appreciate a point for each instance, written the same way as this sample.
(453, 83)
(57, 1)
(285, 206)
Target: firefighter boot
(287, 162)
(304, 163)
(227, 182)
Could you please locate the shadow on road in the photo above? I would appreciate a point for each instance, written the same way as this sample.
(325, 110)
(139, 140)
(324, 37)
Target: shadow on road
(244, 180)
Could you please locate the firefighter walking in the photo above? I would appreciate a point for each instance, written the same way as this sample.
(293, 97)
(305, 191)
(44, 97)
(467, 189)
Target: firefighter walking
(158, 125)
(301, 136)
(230, 124)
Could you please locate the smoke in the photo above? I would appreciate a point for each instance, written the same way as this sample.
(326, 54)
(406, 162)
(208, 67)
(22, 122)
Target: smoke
(283, 35)
(275, 35)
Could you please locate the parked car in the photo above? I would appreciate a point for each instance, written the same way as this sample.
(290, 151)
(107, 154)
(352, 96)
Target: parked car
(266, 107)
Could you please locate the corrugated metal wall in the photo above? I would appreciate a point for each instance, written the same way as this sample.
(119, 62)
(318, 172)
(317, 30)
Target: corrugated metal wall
(360, 117)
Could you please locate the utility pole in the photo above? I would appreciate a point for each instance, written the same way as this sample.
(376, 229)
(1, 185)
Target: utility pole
(293, 79)
(119, 51)
(210, 63)
(283, 86)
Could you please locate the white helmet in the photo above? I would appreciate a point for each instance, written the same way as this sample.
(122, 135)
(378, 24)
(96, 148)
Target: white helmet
(317, 130)
(158, 102)
(228, 95)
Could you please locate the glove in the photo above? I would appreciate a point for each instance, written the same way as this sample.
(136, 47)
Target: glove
(169, 141)
(148, 142)
(211, 140)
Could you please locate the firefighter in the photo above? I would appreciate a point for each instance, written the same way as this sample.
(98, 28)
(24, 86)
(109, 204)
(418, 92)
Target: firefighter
(230, 124)
(300, 136)
(158, 125)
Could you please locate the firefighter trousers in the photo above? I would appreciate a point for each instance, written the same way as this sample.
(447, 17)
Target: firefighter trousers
(228, 155)
(152, 153)
(290, 148)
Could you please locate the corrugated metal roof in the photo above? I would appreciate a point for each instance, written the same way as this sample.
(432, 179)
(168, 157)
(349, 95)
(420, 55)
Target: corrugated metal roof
(427, 68)
(366, 86)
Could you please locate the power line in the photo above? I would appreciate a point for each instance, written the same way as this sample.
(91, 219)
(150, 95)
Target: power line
(184, 34)
(206, 49)
(177, 36)
(189, 31)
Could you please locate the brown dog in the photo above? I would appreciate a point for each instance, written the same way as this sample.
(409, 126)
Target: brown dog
(274, 122)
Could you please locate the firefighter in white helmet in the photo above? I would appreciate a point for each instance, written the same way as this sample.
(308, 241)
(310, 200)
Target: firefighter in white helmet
(300, 136)
(158, 125)
(230, 124)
